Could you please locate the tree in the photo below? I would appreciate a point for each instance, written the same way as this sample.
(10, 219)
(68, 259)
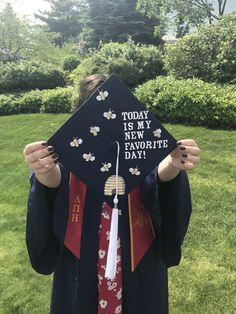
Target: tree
(183, 14)
(43, 49)
(14, 36)
(115, 20)
(209, 54)
(64, 19)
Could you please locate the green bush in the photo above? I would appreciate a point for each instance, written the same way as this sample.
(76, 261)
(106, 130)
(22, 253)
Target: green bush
(29, 102)
(134, 64)
(70, 63)
(191, 102)
(56, 100)
(27, 76)
(8, 105)
(209, 54)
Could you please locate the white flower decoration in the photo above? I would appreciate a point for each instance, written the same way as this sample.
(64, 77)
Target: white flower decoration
(118, 243)
(103, 267)
(118, 309)
(118, 259)
(100, 279)
(106, 215)
(119, 294)
(111, 285)
(101, 253)
(103, 303)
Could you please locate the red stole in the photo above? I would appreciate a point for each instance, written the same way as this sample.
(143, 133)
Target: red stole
(141, 229)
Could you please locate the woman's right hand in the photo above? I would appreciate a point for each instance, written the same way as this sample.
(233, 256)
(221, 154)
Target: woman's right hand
(42, 160)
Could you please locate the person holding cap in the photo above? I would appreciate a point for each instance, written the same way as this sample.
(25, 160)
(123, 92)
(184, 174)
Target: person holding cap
(109, 204)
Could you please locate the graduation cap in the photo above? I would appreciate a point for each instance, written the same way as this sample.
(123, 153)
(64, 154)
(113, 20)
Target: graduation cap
(111, 143)
(112, 118)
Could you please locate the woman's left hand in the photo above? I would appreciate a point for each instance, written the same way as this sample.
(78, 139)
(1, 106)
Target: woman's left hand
(186, 155)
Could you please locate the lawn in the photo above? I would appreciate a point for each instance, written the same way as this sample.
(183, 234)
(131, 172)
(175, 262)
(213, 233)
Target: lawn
(204, 282)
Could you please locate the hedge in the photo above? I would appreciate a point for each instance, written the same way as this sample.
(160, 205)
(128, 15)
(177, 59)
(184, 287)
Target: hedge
(191, 102)
(54, 101)
(26, 76)
(57, 101)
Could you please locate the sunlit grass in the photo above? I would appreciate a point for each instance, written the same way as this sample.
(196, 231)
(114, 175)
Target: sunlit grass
(204, 282)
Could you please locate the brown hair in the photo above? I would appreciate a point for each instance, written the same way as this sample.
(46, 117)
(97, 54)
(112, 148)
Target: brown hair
(88, 85)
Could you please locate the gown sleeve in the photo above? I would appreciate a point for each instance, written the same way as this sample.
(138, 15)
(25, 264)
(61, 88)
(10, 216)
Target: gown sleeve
(169, 204)
(44, 248)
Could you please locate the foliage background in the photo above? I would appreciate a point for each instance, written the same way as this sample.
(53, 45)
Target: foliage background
(188, 82)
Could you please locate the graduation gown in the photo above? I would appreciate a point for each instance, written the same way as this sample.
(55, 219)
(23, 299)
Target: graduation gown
(74, 289)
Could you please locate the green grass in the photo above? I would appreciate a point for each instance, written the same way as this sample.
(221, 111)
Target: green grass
(205, 280)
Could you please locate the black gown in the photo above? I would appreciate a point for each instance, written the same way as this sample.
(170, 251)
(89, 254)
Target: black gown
(74, 290)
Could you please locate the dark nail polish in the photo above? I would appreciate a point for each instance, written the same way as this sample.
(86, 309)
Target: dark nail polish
(179, 143)
(182, 161)
(55, 161)
(44, 144)
(182, 148)
(185, 155)
(54, 156)
(51, 149)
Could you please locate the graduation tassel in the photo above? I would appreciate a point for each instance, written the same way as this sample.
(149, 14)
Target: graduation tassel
(112, 248)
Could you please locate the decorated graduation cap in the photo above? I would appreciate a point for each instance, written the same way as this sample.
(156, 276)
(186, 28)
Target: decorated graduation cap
(111, 143)
(112, 122)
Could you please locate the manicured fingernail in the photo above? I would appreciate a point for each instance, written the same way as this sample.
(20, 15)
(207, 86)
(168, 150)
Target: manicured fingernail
(54, 156)
(185, 155)
(44, 144)
(182, 161)
(179, 143)
(182, 148)
(51, 149)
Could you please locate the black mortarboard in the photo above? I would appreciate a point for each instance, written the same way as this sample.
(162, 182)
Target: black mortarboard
(87, 142)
